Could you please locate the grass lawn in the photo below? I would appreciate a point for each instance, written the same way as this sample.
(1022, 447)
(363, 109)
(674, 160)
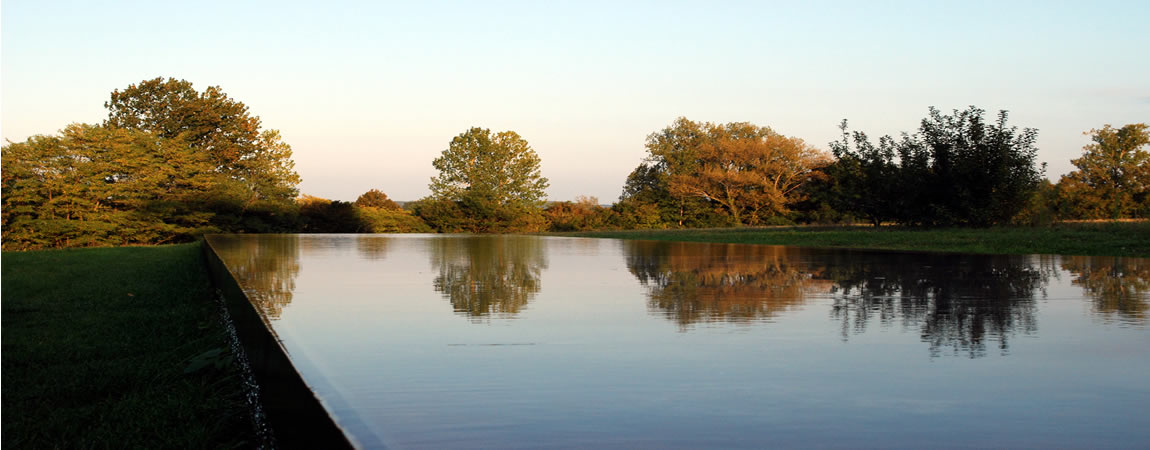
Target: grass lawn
(95, 347)
(1110, 239)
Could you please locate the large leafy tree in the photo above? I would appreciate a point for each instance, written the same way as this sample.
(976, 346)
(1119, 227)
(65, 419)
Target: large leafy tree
(1113, 176)
(221, 127)
(169, 164)
(697, 170)
(494, 178)
(671, 151)
(751, 171)
(96, 185)
(984, 173)
(956, 170)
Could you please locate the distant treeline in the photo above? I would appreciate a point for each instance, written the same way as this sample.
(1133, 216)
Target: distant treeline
(171, 163)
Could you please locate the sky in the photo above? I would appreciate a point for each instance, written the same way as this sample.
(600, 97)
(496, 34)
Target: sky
(368, 93)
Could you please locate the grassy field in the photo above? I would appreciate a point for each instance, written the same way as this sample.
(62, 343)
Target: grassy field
(1111, 239)
(96, 346)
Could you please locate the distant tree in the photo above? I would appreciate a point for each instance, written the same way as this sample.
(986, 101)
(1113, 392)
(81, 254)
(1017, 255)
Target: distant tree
(494, 178)
(1041, 209)
(984, 173)
(697, 170)
(383, 220)
(956, 170)
(376, 199)
(1113, 176)
(630, 214)
(863, 179)
(751, 171)
(320, 215)
(583, 214)
(219, 126)
(443, 216)
(818, 202)
(670, 151)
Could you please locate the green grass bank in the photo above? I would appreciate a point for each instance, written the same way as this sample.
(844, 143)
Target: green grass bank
(97, 346)
(1102, 239)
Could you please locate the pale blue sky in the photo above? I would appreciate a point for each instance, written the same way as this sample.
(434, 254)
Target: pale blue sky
(368, 93)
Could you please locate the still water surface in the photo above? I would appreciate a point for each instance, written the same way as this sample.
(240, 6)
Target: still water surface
(434, 341)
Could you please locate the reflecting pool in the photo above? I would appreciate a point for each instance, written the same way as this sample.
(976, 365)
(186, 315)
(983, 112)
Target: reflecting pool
(440, 341)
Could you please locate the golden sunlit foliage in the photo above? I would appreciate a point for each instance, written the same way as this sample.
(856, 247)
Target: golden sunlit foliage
(701, 174)
(751, 171)
(219, 126)
(584, 214)
(1113, 176)
(168, 165)
(98, 186)
(387, 220)
(375, 198)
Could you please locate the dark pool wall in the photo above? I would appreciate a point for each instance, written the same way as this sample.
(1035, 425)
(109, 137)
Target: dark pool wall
(297, 418)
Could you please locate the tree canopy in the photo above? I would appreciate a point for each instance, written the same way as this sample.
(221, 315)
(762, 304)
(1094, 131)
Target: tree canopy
(211, 122)
(382, 215)
(751, 171)
(170, 163)
(697, 171)
(97, 185)
(375, 198)
(864, 179)
(584, 214)
(494, 179)
(1113, 176)
(956, 170)
(648, 201)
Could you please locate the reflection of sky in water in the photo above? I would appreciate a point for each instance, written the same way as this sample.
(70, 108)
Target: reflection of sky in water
(519, 341)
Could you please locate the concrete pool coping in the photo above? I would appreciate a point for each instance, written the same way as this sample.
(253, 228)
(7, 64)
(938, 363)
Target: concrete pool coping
(298, 418)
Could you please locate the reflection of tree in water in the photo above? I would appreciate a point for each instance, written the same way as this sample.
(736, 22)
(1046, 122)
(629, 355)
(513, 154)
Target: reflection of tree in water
(488, 275)
(692, 283)
(958, 301)
(1118, 286)
(264, 265)
(372, 247)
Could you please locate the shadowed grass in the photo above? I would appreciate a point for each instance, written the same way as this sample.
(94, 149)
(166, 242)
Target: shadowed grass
(95, 347)
(1108, 239)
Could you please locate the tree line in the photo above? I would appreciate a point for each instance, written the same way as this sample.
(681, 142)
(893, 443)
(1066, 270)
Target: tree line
(171, 163)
